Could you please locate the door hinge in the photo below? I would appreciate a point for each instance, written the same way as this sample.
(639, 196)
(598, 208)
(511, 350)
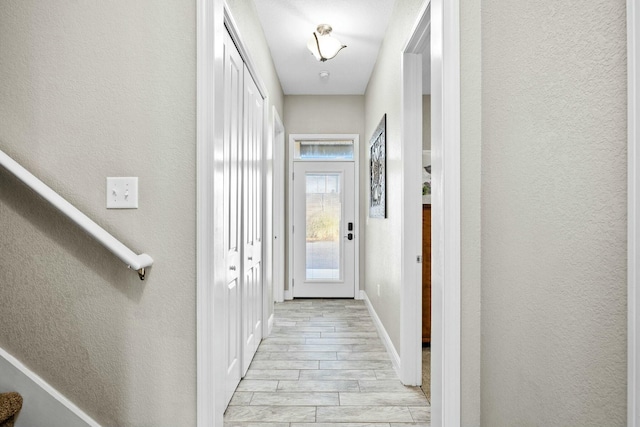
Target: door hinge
(293, 176)
(292, 283)
(419, 259)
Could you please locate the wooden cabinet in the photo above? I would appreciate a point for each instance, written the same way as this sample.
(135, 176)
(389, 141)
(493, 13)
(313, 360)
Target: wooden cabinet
(426, 274)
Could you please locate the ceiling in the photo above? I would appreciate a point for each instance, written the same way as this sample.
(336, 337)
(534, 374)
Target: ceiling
(359, 24)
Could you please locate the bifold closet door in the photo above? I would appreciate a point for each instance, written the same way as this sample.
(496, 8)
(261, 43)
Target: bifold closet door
(232, 176)
(243, 136)
(253, 112)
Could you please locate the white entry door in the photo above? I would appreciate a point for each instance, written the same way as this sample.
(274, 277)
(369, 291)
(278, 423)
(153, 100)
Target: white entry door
(324, 232)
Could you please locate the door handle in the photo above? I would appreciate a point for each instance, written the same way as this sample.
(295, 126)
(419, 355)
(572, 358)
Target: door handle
(349, 236)
(232, 268)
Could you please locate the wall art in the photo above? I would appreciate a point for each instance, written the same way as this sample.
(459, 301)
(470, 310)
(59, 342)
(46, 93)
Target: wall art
(378, 171)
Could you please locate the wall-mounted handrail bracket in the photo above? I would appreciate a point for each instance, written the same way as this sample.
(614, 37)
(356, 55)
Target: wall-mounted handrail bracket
(130, 258)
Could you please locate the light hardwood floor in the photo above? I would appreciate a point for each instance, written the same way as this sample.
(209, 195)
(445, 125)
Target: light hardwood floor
(323, 365)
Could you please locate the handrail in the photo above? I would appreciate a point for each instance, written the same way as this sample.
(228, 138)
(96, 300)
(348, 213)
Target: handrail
(136, 262)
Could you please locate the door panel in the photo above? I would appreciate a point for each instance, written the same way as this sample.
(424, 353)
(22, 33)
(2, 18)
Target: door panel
(252, 219)
(324, 247)
(233, 79)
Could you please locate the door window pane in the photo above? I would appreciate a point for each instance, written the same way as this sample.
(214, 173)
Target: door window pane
(323, 225)
(324, 150)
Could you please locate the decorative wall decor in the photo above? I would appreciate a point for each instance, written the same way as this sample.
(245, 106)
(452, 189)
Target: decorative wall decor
(426, 177)
(378, 171)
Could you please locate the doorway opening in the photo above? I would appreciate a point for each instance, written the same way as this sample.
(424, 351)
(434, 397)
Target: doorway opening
(445, 33)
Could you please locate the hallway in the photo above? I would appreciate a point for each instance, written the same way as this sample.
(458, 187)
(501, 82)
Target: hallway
(324, 364)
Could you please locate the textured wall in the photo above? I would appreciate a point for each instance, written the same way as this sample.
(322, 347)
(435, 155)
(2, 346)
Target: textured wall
(384, 236)
(324, 114)
(329, 114)
(426, 122)
(553, 213)
(90, 90)
(470, 190)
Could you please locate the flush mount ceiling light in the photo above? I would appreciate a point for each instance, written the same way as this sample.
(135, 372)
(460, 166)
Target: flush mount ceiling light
(322, 45)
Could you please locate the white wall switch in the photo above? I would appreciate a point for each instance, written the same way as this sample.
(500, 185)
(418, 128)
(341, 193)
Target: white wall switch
(122, 193)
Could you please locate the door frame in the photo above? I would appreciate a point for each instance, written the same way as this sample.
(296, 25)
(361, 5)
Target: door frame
(210, 25)
(633, 210)
(356, 164)
(439, 25)
(209, 215)
(279, 209)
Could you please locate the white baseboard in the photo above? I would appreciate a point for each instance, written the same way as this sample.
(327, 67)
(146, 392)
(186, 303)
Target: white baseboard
(288, 296)
(43, 405)
(386, 340)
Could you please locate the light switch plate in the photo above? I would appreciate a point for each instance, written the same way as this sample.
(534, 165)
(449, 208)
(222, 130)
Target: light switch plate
(122, 193)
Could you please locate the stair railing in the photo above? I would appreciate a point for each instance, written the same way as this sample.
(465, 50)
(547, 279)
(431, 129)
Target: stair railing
(133, 261)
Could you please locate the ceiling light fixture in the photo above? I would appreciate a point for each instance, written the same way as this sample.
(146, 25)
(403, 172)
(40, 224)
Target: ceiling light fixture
(322, 45)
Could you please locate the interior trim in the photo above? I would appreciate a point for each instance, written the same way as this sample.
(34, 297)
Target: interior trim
(288, 294)
(209, 111)
(439, 20)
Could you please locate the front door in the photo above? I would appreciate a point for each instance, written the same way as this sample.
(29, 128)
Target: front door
(324, 238)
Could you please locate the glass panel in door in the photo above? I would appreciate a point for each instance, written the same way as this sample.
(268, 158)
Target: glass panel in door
(323, 224)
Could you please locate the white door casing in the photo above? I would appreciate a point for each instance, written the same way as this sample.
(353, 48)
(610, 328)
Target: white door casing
(323, 256)
(439, 22)
(278, 208)
(210, 269)
(288, 294)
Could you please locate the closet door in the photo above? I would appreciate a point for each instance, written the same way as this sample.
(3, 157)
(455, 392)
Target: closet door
(252, 225)
(233, 127)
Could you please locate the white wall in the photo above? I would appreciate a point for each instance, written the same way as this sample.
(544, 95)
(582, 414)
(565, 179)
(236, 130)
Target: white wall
(91, 90)
(554, 213)
(426, 122)
(329, 114)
